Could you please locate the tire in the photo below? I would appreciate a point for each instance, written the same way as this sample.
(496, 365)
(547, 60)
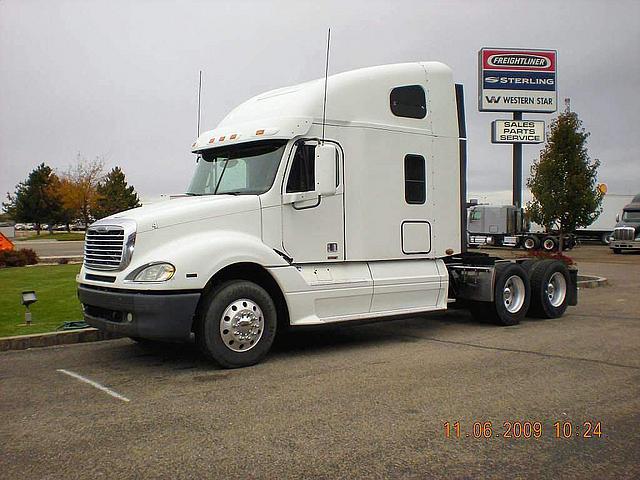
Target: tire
(506, 310)
(605, 238)
(528, 265)
(233, 302)
(569, 242)
(549, 244)
(550, 283)
(617, 250)
(531, 243)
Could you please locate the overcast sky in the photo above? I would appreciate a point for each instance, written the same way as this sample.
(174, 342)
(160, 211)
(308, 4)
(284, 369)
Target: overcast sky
(118, 79)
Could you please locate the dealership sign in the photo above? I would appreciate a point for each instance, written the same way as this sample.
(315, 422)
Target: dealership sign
(517, 131)
(517, 80)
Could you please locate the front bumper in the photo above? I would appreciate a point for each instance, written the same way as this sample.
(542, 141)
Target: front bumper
(625, 244)
(158, 316)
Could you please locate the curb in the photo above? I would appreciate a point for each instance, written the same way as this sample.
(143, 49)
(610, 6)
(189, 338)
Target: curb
(23, 342)
(591, 281)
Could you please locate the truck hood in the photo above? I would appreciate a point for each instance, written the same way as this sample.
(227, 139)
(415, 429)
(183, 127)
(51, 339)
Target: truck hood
(184, 210)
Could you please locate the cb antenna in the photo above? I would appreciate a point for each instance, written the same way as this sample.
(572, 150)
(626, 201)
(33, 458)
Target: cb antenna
(326, 73)
(199, 95)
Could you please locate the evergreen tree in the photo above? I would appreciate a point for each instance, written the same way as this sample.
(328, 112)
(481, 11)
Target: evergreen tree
(563, 180)
(114, 195)
(36, 199)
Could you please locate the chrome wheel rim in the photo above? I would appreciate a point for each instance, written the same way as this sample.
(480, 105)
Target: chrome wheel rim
(548, 244)
(241, 325)
(513, 294)
(557, 289)
(529, 243)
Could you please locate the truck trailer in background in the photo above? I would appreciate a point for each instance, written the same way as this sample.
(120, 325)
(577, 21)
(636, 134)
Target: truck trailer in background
(507, 226)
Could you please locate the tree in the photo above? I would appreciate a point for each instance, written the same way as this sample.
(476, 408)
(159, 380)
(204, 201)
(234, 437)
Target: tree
(114, 195)
(563, 180)
(36, 200)
(78, 187)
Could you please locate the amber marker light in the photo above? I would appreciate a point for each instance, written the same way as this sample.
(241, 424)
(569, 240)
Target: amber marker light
(260, 132)
(212, 140)
(233, 137)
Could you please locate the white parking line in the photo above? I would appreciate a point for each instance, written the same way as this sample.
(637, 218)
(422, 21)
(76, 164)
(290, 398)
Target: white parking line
(106, 390)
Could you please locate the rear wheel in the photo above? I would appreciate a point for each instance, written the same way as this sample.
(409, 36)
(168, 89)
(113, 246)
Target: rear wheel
(550, 282)
(237, 325)
(531, 243)
(511, 297)
(549, 244)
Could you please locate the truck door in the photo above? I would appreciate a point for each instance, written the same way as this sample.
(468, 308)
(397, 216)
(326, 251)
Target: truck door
(312, 225)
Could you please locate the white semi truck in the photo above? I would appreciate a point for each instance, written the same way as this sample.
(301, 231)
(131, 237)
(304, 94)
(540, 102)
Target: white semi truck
(291, 221)
(626, 235)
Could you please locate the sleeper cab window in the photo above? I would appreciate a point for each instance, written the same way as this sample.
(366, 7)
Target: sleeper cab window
(415, 180)
(302, 174)
(409, 101)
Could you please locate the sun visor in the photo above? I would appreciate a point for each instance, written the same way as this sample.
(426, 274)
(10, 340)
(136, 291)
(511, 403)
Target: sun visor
(269, 128)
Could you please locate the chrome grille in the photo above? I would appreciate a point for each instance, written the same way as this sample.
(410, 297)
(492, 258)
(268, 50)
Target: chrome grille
(624, 233)
(104, 247)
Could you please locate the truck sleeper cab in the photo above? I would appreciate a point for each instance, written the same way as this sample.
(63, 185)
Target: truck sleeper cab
(289, 222)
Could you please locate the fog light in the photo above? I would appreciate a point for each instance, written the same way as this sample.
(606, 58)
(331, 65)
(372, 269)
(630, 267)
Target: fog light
(129, 317)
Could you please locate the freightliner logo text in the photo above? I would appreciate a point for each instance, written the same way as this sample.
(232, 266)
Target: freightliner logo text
(519, 60)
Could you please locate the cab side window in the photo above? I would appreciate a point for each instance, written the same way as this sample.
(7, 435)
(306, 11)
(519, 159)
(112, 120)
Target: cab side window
(302, 174)
(408, 101)
(415, 181)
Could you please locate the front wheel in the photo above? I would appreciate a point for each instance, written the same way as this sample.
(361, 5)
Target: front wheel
(237, 325)
(511, 298)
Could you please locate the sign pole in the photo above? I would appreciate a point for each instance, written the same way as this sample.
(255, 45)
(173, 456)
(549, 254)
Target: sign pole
(517, 168)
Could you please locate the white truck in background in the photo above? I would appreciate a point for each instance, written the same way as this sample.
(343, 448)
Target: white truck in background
(602, 229)
(626, 234)
(507, 226)
(292, 221)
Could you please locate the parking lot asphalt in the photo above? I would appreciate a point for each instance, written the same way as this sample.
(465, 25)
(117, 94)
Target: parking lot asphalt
(366, 401)
(53, 248)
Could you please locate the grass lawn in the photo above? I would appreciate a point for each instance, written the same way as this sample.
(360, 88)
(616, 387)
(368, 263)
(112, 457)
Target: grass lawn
(55, 287)
(66, 236)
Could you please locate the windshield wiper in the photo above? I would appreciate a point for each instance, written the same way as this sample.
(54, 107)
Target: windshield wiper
(215, 191)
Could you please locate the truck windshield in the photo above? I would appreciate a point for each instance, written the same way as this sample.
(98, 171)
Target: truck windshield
(631, 216)
(245, 169)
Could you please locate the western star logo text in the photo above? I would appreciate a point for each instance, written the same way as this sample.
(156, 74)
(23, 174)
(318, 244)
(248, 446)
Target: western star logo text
(514, 100)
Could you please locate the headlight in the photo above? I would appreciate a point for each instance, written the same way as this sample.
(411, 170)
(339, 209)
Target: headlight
(152, 272)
